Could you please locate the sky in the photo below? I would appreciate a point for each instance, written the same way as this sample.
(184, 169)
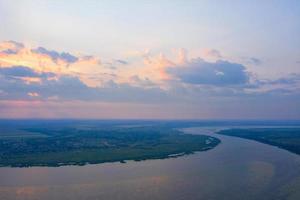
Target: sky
(138, 59)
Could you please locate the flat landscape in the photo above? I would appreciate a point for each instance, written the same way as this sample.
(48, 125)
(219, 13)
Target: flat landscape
(57, 143)
(285, 138)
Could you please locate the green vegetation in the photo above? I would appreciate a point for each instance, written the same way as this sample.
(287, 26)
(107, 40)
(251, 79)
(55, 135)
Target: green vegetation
(285, 138)
(61, 144)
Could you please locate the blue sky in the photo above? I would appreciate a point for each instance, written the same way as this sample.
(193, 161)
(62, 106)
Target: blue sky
(150, 59)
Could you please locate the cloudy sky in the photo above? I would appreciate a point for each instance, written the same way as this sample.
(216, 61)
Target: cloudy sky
(204, 59)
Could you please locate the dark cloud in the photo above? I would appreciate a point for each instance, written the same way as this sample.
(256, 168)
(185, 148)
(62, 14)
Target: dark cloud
(291, 79)
(21, 71)
(142, 82)
(10, 51)
(220, 79)
(70, 88)
(220, 73)
(123, 62)
(15, 47)
(114, 92)
(63, 87)
(114, 63)
(16, 44)
(55, 56)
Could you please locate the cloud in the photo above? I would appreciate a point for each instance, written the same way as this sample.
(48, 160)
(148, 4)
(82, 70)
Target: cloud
(182, 56)
(33, 94)
(66, 87)
(290, 79)
(254, 61)
(14, 86)
(10, 47)
(155, 78)
(219, 73)
(123, 62)
(43, 60)
(211, 54)
(56, 56)
(284, 85)
(136, 80)
(155, 67)
(21, 71)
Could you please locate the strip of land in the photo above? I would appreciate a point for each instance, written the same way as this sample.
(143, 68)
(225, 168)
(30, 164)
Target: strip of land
(43, 145)
(285, 138)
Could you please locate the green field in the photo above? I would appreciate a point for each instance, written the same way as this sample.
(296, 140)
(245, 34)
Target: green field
(285, 138)
(41, 145)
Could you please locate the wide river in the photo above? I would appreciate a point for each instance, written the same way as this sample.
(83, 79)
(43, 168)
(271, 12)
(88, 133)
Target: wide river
(235, 169)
